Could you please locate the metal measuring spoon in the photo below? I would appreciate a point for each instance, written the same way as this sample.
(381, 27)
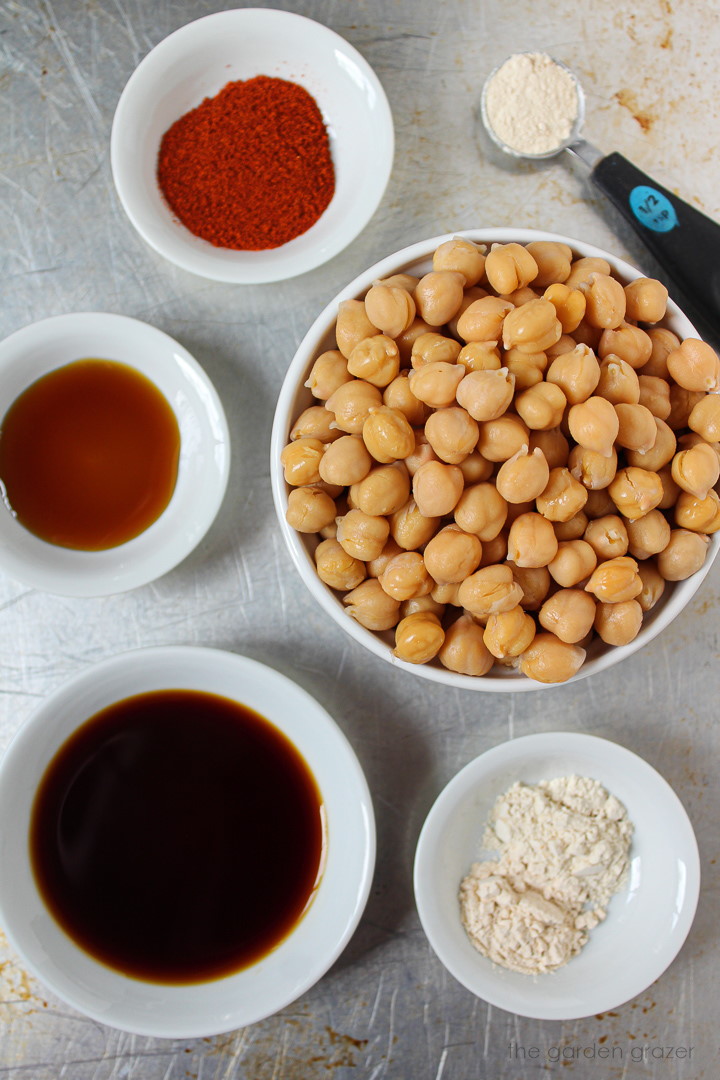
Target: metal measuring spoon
(683, 240)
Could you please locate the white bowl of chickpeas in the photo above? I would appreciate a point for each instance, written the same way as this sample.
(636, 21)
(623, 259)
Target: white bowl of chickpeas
(495, 457)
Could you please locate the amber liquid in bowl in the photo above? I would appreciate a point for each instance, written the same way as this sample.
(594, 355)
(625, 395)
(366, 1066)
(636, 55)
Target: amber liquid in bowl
(177, 836)
(89, 455)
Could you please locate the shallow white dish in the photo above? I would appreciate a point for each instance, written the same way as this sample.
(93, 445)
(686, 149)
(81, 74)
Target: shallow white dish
(196, 62)
(298, 961)
(647, 922)
(203, 467)
(294, 397)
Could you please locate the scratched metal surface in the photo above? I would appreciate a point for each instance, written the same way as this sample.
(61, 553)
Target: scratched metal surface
(387, 1008)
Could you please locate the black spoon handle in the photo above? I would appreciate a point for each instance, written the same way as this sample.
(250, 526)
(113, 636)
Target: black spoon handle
(683, 240)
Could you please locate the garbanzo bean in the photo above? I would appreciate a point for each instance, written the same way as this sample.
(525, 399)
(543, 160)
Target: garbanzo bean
(575, 560)
(562, 497)
(636, 430)
(698, 515)
(646, 300)
(351, 403)
(489, 591)
(336, 568)
(599, 504)
(628, 342)
(464, 649)
(345, 461)
(509, 633)
(542, 406)
(387, 434)
(452, 433)
(436, 383)
(523, 477)
(475, 468)
(636, 492)
(422, 603)
(309, 509)
(509, 267)
(494, 551)
(375, 567)
(663, 343)
(422, 453)
(390, 307)
(607, 536)
(569, 614)
(572, 529)
(684, 555)
(594, 425)
(682, 403)
(577, 373)
(653, 584)
(619, 381)
(553, 261)
(462, 256)
(531, 327)
(532, 541)
(553, 444)
(433, 347)
(480, 356)
(327, 373)
(315, 423)
(655, 395)
(352, 326)
(696, 469)
(582, 268)
(605, 302)
(694, 365)
(704, 417)
(411, 529)
(481, 510)
(595, 471)
(486, 394)
(615, 581)
(407, 339)
(549, 660)
(370, 605)
(500, 439)
(438, 296)
(619, 624)
(418, 637)
(363, 535)
(648, 535)
(483, 319)
(526, 368)
(452, 555)
(660, 453)
(569, 305)
(398, 395)
(406, 577)
(301, 461)
(375, 359)
(437, 487)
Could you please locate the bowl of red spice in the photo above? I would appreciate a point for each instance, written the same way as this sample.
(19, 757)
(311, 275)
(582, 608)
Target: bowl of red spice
(239, 143)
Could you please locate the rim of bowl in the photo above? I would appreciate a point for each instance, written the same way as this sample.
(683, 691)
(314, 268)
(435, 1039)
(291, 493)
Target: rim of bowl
(317, 738)
(670, 605)
(199, 257)
(145, 557)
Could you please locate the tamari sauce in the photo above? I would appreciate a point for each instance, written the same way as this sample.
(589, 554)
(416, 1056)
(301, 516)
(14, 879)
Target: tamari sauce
(177, 836)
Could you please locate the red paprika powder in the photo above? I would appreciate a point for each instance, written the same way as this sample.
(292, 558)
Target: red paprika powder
(249, 168)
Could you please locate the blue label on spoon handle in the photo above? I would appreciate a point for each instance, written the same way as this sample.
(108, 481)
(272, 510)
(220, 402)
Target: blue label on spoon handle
(653, 209)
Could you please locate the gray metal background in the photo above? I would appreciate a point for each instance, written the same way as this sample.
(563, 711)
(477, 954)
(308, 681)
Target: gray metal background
(387, 1008)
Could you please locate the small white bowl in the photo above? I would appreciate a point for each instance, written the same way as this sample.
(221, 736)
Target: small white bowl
(647, 922)
(280, 977)
(196, 62)
(203, 468)
(294, 397)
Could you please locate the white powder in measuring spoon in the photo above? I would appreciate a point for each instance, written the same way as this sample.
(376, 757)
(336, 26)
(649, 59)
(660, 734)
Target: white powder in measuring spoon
(531, 103)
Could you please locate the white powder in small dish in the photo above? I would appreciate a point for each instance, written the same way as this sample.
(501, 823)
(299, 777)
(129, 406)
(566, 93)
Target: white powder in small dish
(563, 852)
(531, 103)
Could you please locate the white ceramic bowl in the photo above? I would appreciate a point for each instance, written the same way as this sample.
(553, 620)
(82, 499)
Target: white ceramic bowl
(299, 960)
(196, 62)
(203, 467)
(647, 921)
(294, 397)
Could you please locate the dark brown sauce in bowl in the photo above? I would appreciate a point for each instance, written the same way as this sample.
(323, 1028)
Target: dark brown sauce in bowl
(89, 455)
(177, 836)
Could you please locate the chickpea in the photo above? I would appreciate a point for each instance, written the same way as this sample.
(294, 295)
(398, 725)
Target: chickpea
(521, 295)
(432, 348)
(608, 536)
(383, 491)
(509, 267)
(486, 394)
(553, 444)
(542, 406)
(661, 452)
(671, 491)
(352, 326)
(421, 603)
(489, 591)
(649, 535)
(577, 373)
(704, 417)
(345, 461)
(637, 430)
(615, 581)
(569, 305)
(362, 535)
(572, 529)
(564, 344)
(562, 497)
(500, 439)
(691, 438)
(452, 433)
(327, 373)
(398, 395)
(549, 660)
(553, 261)
(463, 257)
(532, 327)
(481, 510)
(399, 281)
(619, 624)
(694, 365)
(599, 504)
(662, 342)
(532, 541)
(605, 302)
(376, 360)
(684, 554)
(646, 300)
(370, 605)
(405, 577)
(575, 560)
(696, 470)
(628, 342)
(464, 649)
(387, 434)
(509, 633)
(526, 368)
(390, 307)
(407, 339)
(594, 425)
(375, 567)
(411, 529)
(653, 585)
(438, 296)
(435, 383)
(593, 470)
(351, 404)
(480, 356)
(452, 555)
(682, 403)
(655, 395)
(523, 477)
(535, 583)
(569, 614)
(315, 423)
(437, 488)
(619, 383)
(309, 509)
(636, 492)
(581, 270)
(336, 568)
(494, 551)
(483, 319)
(446, 594)
(301, 462)
(475, 468)
(698, 515)
(418, 637)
